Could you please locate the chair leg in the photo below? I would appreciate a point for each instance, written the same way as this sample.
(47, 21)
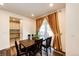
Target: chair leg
(47, 51)
(44, 48)
(50, 49)
(41, 52)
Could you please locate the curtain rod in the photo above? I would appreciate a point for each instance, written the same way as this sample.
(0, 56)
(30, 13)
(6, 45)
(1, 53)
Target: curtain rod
(49, 13)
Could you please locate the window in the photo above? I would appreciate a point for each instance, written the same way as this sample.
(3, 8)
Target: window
(45, 30)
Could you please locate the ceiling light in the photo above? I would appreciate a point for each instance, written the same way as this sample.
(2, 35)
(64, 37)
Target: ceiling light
(32, 14)
(1, 3)
(51, 4)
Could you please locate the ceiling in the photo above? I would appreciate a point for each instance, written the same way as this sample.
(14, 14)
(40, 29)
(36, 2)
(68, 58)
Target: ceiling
(26, 9)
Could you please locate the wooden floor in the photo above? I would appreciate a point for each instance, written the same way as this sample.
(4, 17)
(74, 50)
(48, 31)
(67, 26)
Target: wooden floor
(12, 52)
(5, 52)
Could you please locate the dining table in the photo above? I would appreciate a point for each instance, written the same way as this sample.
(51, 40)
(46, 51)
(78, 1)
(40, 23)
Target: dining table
(27, 43)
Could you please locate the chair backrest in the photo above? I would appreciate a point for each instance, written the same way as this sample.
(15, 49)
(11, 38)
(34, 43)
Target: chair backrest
(48, 41)
(17, 48)
(39, 43)
(32, 36)
(29, 36)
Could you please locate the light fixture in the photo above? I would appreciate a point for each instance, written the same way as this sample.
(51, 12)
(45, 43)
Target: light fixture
(51, 4)
(32, 15)
(1, 3)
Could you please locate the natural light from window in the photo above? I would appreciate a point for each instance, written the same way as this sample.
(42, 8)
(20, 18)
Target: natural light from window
(45, 30)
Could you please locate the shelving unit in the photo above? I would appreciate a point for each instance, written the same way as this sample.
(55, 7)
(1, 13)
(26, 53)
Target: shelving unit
(14, 33)
(14, 30)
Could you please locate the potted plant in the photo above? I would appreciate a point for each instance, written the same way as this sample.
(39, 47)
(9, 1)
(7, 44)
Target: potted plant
(36, 36)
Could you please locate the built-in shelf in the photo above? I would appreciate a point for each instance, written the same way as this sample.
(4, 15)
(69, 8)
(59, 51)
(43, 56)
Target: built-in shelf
(14, 30)
(14, 33)
(14, 20)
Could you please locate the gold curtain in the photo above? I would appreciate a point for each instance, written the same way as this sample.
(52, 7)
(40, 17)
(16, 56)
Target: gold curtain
(53, 22)
(39, 23)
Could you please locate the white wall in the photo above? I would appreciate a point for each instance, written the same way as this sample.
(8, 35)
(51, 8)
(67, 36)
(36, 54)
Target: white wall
(27, 26)
(72, 29)
(61, 19)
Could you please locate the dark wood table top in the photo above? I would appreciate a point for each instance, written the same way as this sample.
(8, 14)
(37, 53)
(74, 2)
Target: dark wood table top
(27, 43)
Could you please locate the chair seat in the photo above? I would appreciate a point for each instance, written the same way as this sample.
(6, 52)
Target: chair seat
(45, 46)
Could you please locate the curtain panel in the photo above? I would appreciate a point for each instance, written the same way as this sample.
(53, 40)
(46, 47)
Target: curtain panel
(39, 22)
(53, 22)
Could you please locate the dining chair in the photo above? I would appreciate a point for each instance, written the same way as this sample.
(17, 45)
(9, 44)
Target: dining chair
(31, 50)
(47, 45)
(37, 47)
(19, 51)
